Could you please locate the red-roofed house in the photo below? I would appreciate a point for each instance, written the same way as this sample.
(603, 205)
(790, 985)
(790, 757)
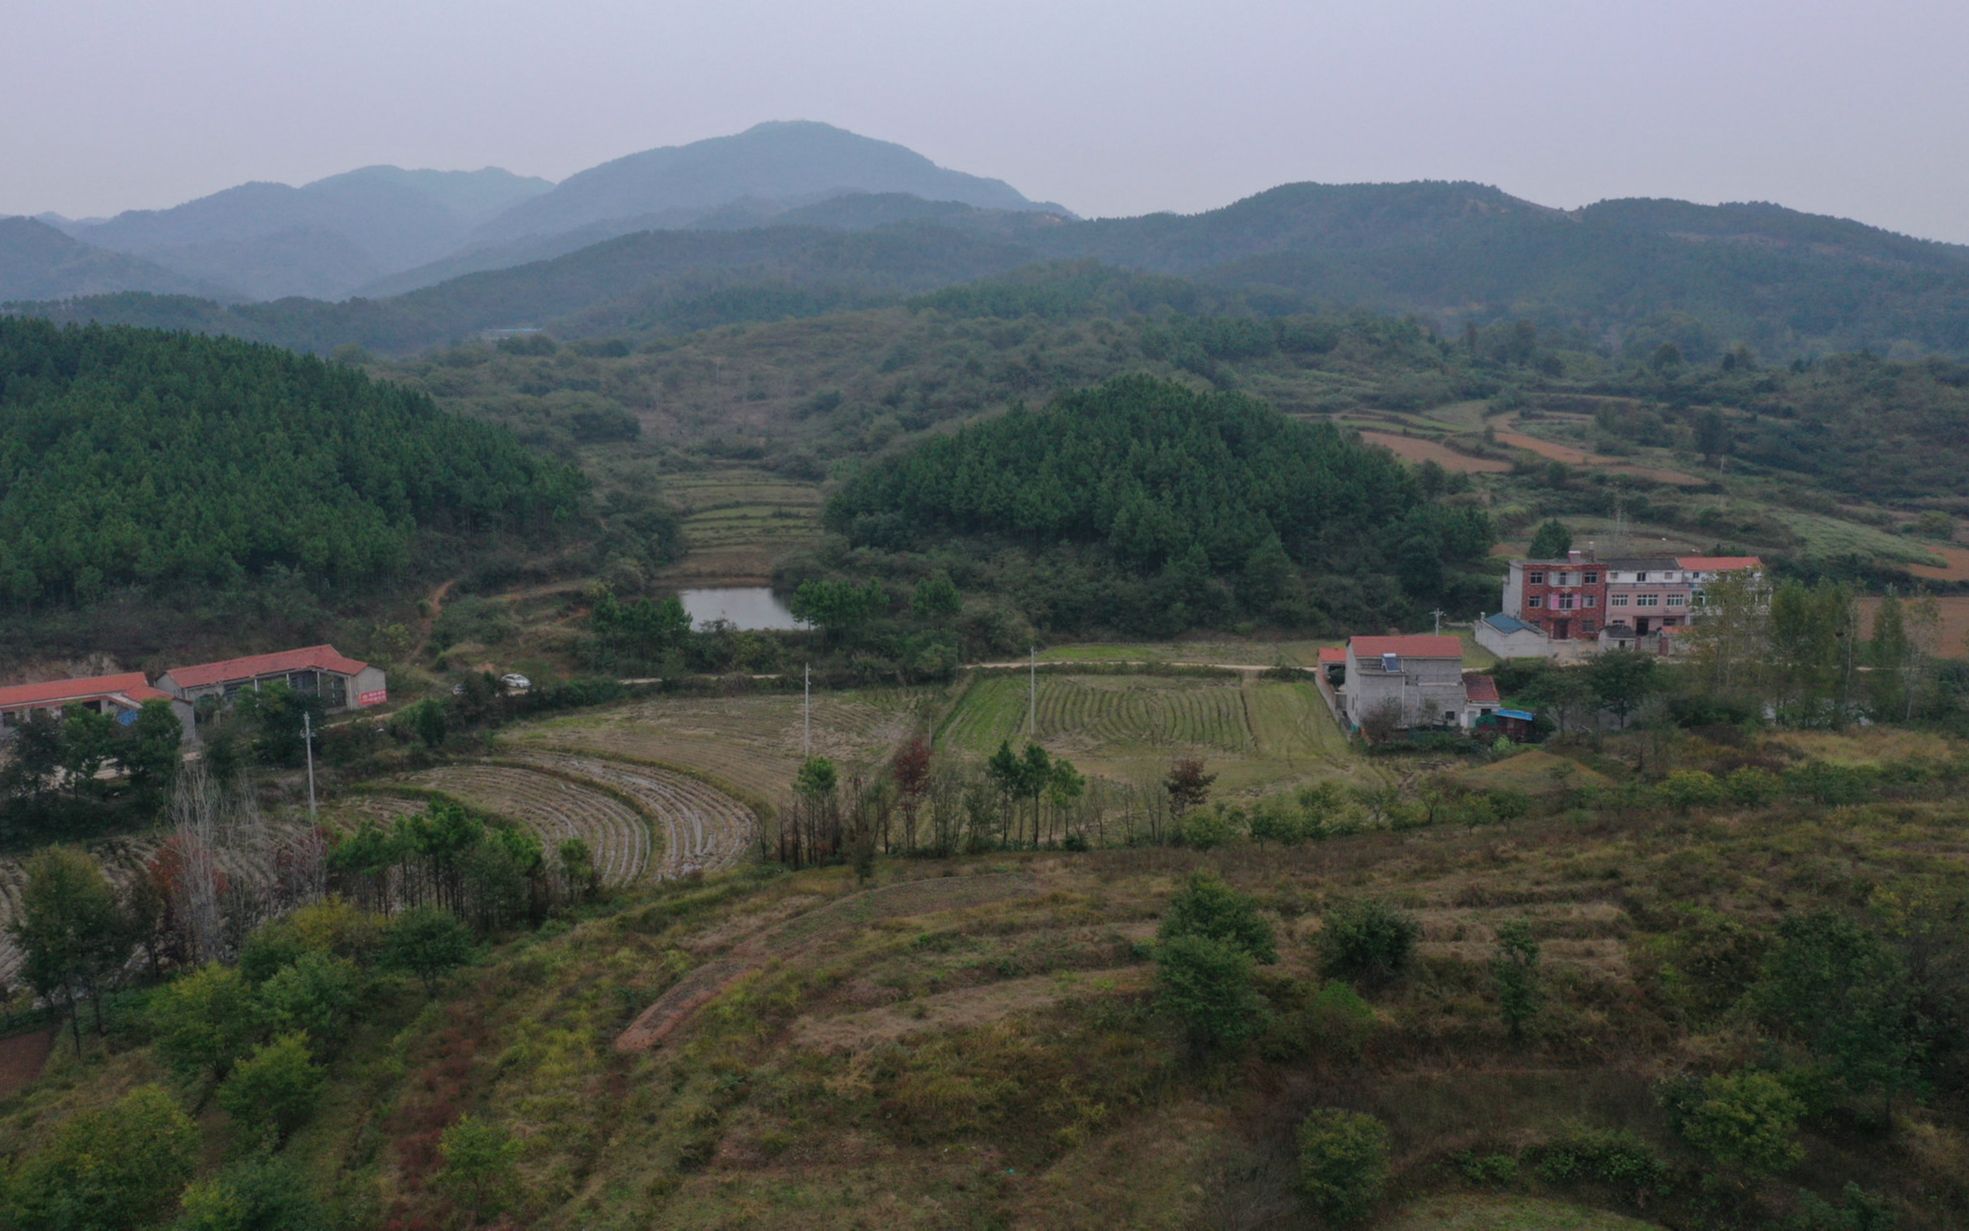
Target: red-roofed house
(120, 695)
(1419, 679)
(317, 670)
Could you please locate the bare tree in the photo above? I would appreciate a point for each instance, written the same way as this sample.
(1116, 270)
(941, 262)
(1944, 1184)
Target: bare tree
(195, 880)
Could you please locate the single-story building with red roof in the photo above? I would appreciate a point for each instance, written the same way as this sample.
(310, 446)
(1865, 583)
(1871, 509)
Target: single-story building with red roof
(343, 683)
(119, 695)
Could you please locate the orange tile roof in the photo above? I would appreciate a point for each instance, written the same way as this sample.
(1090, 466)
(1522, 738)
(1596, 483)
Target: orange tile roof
(130, 684)
(1333, 654)
(253, 666)
(1718, 564)
(1417, 646)
(1480, 689)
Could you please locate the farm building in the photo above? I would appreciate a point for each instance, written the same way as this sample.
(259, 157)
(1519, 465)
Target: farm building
(121, 695)
(342, 682)
(1421, 677)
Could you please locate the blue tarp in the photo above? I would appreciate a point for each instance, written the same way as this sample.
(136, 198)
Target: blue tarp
(1520, 715)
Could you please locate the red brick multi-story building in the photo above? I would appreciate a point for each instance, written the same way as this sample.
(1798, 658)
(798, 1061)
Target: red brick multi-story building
(1551, 607)
(1566, 599)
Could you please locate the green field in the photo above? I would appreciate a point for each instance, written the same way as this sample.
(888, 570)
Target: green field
(1255, 734)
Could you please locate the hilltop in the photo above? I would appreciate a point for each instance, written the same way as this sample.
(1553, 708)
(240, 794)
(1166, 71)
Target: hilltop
(1621, 274)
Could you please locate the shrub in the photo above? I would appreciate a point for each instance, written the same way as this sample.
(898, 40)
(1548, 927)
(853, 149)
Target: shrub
(1515, 970)
(426, 941)
(1858, 1210)
(1343, 1163)
(204, 1021)
(1492, 1170)
(1212, 826)
(1340, 1019)
(262, 1193)
(273, 1091)
(1206, 984)
(1606, 1156)
(106, 1170)
(1208, 907)
(1367, 941)
(1685, 790)
(315, 994)
(1747, 1120)
(1751, 787)
(478, 1165)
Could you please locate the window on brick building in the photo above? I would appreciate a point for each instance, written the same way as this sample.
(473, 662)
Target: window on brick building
(1592, 579)
(1537, 579)
(1592, 600)
(1536, 600)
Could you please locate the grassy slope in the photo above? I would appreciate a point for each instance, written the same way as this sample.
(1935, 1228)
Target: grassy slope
(972, 1044)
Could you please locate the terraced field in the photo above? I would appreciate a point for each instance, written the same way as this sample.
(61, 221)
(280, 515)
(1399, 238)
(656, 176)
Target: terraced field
(703, 828)
(751, 743)
(737, 522)
(554, 807)
(1254, 733)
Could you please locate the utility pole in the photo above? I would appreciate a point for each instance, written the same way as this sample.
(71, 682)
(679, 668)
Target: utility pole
(1438, 613)
(807, 712)
(307, 738)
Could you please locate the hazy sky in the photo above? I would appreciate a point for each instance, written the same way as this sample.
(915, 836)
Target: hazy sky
(1859, 109)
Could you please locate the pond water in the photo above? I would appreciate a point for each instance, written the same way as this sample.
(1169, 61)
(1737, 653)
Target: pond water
(749, 607)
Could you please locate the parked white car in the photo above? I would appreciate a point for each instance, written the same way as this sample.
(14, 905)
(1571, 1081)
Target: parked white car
(513, 681)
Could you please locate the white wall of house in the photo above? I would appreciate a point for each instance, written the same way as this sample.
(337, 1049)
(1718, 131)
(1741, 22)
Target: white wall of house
(1429, 691)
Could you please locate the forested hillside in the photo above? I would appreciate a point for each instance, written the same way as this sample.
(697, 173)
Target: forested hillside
(1621, 275)
(129, 457)
(1145, 504)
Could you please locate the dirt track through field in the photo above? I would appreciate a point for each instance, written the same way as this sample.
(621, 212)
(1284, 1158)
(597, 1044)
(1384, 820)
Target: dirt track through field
(786, 940)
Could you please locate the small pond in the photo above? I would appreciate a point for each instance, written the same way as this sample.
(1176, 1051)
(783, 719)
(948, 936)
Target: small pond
(749, 607)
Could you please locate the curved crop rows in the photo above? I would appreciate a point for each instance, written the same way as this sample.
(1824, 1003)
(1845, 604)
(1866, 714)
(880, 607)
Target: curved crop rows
(1101, 712)
(704, 829)
(554, 808)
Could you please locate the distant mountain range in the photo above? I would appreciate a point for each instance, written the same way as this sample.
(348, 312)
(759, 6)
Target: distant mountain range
(365, 230)
(797, 218)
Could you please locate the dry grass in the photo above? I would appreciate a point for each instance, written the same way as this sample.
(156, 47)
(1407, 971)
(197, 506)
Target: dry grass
(1534, 771)
(1473, 1213)
(1421, 449)
(751, 742)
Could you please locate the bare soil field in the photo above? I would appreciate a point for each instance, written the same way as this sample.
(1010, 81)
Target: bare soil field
(1957, 568)
(1953, 638)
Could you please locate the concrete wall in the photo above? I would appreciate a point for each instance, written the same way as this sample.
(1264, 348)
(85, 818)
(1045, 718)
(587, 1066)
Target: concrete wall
(1426, 689)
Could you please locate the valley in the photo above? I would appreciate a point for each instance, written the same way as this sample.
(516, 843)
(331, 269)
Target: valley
(1182, 754)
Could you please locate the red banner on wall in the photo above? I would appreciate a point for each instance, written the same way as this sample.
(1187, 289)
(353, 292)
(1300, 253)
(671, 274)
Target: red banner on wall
(375, 697)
